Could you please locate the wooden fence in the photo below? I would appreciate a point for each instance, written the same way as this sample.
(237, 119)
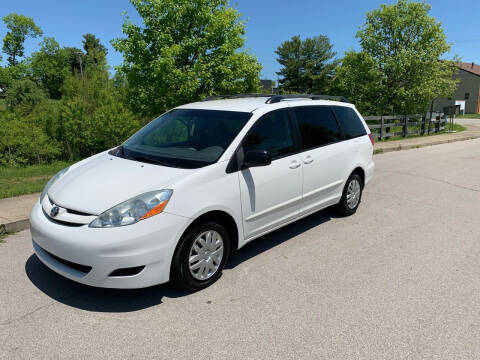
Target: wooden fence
(384, 127)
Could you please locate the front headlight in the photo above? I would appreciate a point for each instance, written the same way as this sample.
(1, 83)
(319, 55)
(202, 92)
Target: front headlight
(51, 182)
(133, 210)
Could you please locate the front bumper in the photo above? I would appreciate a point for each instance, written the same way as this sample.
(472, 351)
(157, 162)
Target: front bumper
(150, 243)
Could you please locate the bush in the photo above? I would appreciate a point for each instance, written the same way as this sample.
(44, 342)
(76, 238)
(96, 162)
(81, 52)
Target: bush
(91, 118)
(22, 142)
(24, 95)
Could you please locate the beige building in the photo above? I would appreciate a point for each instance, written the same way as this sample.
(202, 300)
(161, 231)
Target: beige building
(467, 94)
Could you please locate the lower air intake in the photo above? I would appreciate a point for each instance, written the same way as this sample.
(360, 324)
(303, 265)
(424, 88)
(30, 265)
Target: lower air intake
(82, 268)
(127, 271)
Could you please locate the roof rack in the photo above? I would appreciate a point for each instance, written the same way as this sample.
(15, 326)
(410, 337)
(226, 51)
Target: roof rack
(272, 98)
(237, 96)
(277, 98)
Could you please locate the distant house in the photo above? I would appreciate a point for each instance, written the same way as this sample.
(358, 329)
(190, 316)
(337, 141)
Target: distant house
(467, 94)
(266, 86)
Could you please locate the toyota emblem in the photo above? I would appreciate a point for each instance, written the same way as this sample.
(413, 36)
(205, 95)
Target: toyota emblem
(54, 212)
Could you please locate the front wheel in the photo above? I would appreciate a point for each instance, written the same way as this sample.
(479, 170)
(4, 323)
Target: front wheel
(201, 256)
(351, 196)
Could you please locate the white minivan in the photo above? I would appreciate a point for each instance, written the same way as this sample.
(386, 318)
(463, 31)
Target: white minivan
(198, 182)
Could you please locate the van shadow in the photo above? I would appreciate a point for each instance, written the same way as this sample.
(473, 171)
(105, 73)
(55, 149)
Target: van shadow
(95, 299)
(277, 237)
(90, 298)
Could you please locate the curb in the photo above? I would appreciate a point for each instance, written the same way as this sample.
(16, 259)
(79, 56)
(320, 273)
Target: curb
(14, 226)
(416, 146)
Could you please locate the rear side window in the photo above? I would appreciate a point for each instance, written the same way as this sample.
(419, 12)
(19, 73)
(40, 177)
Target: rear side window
(317, 126)
(351, 124)
(272, 132)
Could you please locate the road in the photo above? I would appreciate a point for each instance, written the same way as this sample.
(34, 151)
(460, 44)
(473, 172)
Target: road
(398, 280)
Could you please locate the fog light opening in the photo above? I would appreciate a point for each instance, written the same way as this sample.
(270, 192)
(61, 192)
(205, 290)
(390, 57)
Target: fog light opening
(127, 271)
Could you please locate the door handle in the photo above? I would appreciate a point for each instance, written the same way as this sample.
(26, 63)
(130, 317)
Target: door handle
(294, 164)
(308, 160)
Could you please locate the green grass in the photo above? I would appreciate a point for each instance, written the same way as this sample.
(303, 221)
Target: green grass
(468, 116)
(456, 127)
(27, 180)
(3, 236)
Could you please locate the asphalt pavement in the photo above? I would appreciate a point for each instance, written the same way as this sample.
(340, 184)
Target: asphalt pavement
(398, 280)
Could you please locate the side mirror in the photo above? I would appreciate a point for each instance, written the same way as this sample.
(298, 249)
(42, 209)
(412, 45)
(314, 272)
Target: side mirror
(255, 158)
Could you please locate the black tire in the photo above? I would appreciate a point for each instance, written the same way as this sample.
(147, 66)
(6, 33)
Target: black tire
(342, 207)
(180, 274)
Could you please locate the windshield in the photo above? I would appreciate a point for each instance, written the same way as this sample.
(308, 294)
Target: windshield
(185, 138)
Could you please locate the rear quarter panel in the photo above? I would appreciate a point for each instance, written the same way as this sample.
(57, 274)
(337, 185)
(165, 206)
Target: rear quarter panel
(365, 152)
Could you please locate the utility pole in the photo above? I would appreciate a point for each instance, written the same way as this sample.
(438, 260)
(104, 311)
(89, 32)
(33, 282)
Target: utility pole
(80, 54)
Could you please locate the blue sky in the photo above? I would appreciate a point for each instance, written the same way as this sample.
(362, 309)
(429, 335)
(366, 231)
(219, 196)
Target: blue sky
(269, 23)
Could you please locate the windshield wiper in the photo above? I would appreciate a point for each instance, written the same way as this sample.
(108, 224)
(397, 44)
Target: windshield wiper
(150, 161)
(118, 151)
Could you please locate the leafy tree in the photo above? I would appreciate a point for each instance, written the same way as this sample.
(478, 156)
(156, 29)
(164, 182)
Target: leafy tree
(20, 27)
(359, 79)
(62, 104)
(50, 66)
(307, 65)
(95, 51)
(186, 50)
(402, 46)
(10, 74)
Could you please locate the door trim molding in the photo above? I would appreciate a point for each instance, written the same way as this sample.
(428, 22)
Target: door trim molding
(326, 187)
(273, 208)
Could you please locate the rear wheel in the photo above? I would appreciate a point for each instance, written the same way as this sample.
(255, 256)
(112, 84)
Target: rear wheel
(351, 196)
(201, 256)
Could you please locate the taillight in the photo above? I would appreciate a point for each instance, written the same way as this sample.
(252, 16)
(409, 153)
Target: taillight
(371, 139)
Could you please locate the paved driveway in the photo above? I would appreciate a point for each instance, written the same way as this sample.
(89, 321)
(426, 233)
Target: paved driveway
(475, 122)
(400, 279)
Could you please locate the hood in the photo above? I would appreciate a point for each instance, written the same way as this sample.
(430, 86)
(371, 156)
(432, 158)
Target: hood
(103, 181)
